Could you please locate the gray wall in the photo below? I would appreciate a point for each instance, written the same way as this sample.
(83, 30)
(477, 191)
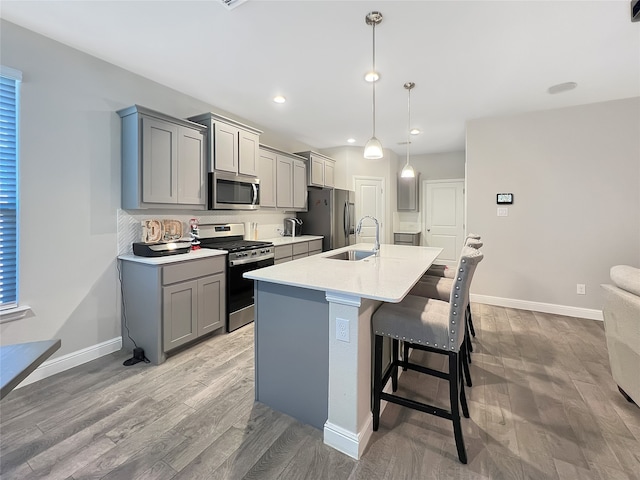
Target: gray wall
(575, 176)
(436, 166)
(70, 185)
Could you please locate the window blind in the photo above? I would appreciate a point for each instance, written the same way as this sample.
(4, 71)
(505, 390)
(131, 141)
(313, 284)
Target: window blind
(9, 91)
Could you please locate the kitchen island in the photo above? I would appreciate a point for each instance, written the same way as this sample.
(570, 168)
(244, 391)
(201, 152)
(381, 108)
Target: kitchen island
(313, 335)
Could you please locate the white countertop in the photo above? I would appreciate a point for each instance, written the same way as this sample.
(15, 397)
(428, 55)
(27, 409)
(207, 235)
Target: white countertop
(388, 277)
(180, 257)
(289, 240)
(408, 231)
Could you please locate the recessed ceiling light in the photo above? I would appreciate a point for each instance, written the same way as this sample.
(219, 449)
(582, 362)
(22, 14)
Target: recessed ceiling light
(279, 99)
(562, 87)
(414, 131)
(372, 77)
(351, 140)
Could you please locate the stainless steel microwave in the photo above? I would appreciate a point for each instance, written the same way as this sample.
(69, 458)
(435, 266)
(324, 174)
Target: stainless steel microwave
(228, 191)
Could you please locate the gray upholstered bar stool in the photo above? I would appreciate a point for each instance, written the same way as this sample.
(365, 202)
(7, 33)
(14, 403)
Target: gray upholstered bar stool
(434, 326)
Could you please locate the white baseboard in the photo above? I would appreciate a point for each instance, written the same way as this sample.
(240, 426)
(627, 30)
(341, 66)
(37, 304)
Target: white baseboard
(73, 359)
(538, 307)
(349, 443)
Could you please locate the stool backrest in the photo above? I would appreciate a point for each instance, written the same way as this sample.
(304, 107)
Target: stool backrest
(473, 243)
(459, 298)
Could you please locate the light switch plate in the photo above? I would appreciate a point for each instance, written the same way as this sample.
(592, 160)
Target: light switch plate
(503, 212)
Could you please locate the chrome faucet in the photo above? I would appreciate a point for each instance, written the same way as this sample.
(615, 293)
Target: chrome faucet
(376, 246)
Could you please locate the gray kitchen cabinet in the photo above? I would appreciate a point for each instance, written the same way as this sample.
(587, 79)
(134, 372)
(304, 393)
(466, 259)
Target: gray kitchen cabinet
(267, 176)
(299, 185)
(284, 182)
(321, 170)
(163, 161)
(294, 251)
(406, 238)
(283, 179)
(408, 194)
(170, 305)
(232, 146)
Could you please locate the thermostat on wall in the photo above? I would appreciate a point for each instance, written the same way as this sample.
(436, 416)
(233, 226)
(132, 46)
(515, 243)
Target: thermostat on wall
(505, 199)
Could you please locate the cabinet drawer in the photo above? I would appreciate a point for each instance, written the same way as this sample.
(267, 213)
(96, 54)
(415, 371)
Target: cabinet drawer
(315, 245)
(193, 269)
(281, 260)
(406, 238)
(302, 255)
(300, 248)
(283, 251)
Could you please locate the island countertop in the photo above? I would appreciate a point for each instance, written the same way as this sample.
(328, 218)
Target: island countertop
(387, 277)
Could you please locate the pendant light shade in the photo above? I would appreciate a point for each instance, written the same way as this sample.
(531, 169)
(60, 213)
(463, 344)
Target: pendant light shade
(373, 148)
(407, 171)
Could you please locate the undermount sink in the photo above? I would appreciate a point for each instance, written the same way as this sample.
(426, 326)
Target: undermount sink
(351, 255)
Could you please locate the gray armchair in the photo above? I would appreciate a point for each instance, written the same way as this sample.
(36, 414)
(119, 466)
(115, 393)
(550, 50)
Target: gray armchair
(622, 329)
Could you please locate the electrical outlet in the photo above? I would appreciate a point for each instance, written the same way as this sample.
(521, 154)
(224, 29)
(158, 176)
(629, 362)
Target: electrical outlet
(342, 329)
(581, 289)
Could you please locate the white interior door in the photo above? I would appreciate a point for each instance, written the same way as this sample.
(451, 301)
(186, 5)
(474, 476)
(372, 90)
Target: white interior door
(370, 201)
(443, 207)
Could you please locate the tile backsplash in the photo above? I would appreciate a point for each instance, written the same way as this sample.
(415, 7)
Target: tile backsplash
(130, 228)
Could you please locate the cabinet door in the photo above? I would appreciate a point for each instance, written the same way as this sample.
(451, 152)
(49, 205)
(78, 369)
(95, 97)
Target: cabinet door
(329, 173)
(284, 182)
(407, 194)
(179, 314)
(191, 167)
(267, 175)
(248, 153)
(316, 172)
(225, 147)
(159, 161)
(211, 303)
(299, 184)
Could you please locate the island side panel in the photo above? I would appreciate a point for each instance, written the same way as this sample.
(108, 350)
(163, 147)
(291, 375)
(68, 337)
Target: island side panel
(292, 351)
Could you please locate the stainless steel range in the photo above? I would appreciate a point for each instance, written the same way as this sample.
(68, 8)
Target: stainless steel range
(243, 256)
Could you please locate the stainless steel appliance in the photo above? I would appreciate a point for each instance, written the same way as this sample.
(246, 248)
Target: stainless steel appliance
(243, 256)
(228, 191)
(292, 227)
(330, 214)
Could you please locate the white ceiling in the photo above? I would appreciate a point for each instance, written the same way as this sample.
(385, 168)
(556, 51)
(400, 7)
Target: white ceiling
(468, 59)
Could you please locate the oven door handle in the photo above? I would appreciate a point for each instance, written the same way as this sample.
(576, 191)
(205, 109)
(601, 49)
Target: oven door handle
(244, 261)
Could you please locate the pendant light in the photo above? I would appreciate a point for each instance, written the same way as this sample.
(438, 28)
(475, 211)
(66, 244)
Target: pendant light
(373, 148)
(407, 171)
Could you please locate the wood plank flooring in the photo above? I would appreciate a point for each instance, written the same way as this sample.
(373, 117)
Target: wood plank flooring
(543, 406)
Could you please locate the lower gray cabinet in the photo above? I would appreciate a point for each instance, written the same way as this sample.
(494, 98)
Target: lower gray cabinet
(294, 251)
(192, 309)
(406, 239)
(169, 305)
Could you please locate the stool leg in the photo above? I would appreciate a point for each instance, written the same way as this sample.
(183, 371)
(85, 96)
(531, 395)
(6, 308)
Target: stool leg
(377, 381)
(394, 360)
(454, 380)
(470, 320)
(465, 364)
(405, 354)
(463, 396)
(467, 337)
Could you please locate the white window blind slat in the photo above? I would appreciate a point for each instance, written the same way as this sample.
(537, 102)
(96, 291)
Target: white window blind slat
(9, 96)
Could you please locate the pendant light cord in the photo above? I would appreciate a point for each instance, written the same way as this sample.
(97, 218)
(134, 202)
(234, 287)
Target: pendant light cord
(408, 124)
(374, 82)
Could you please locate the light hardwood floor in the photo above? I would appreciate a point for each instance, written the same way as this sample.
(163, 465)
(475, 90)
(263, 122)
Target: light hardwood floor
(543, 406)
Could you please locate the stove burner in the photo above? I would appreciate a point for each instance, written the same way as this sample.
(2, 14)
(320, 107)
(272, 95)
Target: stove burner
(233, 246)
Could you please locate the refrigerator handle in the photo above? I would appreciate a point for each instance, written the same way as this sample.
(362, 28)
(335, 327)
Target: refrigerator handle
(346, 221)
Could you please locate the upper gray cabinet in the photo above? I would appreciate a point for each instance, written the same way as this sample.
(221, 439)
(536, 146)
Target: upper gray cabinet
(232, 146)
(283, 180)
(321, 169)
(408, 194)
(163, 161)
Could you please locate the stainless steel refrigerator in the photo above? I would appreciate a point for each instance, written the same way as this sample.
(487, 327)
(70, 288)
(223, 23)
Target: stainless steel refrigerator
(331, 213)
